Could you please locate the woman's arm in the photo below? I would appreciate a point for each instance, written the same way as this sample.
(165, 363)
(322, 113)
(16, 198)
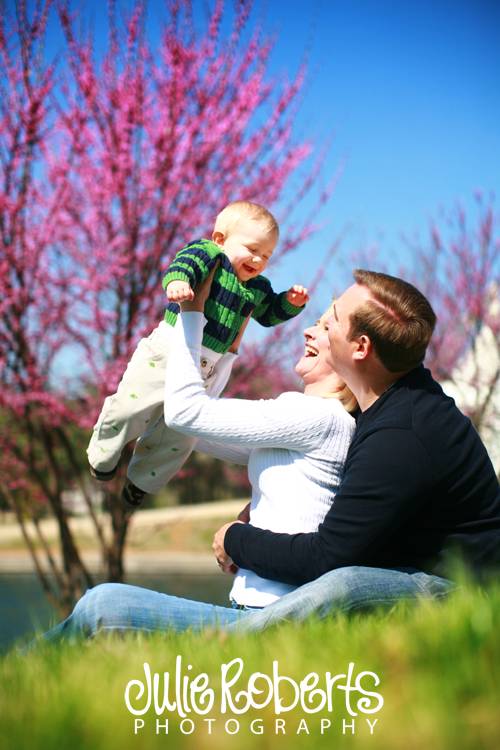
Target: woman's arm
(236, 454)
(296, 422)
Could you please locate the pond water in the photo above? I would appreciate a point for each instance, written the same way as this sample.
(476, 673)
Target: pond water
(24, 608)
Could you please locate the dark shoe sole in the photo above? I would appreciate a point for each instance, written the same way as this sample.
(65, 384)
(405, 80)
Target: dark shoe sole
(102, 476)
(133, 495)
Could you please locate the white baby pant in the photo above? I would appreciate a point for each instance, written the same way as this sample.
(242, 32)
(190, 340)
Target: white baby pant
(136, 411)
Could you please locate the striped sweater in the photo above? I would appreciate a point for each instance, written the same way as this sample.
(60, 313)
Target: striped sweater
(231, 301)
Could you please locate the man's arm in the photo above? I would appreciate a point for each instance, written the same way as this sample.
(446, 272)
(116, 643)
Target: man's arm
(386, 482)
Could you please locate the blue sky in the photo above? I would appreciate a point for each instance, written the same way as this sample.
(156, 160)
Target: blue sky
(411, 93)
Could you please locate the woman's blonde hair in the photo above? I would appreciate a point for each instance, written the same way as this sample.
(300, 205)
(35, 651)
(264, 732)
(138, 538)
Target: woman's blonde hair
(228, 218)
(346, 398)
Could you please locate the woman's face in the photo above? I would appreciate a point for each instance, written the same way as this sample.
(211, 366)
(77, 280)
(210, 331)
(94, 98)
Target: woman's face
(316, 362)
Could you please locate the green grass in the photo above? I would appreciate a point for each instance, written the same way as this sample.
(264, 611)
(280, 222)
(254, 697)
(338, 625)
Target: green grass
(438, 664)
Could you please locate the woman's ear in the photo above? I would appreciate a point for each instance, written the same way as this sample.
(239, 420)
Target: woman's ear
(219, 238)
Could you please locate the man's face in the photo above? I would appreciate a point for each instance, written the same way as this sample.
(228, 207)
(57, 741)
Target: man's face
(338, 328)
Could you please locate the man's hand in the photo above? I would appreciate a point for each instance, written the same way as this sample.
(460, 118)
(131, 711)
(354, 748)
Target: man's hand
(179, 291)
(297, 295)
(244, 517)
(223, 560)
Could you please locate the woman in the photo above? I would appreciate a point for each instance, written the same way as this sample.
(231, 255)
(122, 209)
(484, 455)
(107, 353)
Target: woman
(295, 447)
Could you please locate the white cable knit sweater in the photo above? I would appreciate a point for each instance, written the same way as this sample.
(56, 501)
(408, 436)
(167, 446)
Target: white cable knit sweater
(295, 447)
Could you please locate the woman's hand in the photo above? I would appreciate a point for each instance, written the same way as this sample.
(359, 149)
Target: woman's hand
(244, 515)
(236, 343)
(201, 292)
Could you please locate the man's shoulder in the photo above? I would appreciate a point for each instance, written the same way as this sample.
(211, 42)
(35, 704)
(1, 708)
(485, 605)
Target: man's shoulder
(417, 406)
(416, 403)
(430, 409)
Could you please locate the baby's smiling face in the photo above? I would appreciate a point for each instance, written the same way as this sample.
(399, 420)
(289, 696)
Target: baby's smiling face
(249, 246)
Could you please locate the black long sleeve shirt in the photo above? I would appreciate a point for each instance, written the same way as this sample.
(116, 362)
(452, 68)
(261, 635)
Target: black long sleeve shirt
(418, 485)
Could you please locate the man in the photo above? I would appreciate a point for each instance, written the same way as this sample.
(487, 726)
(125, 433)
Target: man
(418, 489)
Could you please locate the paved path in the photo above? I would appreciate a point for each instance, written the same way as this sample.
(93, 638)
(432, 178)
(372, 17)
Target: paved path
(19, 559)
(141, 519)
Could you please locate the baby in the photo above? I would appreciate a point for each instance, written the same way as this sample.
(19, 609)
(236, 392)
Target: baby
(244, 237)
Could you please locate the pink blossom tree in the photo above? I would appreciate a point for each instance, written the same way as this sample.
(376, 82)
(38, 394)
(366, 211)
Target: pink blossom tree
(109, 165)
(458, 268)
(34, 301)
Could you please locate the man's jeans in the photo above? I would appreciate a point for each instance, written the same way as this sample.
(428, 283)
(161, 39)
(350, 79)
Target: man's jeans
(115, 607)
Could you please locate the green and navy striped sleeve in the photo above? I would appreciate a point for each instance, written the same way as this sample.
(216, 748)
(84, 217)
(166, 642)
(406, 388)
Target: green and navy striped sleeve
(271, 308)
(193, 263)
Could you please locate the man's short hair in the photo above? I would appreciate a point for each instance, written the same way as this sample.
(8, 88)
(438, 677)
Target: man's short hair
(399, 321)
(228, 218)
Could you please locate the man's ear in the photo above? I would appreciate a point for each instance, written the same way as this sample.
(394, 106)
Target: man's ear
(363, 347)
(218, 238)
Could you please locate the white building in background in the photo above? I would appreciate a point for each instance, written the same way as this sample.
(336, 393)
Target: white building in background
(475, 386)
(73, 499)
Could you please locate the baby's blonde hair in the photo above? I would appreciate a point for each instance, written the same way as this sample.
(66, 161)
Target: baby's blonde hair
(228, 218)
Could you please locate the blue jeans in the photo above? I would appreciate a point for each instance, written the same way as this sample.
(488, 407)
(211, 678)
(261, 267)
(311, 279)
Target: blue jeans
(118, 607)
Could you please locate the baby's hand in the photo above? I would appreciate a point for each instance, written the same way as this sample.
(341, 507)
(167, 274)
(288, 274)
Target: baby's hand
(179, 291)
(297, 295)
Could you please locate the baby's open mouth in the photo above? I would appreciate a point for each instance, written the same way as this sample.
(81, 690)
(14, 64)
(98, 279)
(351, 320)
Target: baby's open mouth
(311, 351)
(248, 269)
